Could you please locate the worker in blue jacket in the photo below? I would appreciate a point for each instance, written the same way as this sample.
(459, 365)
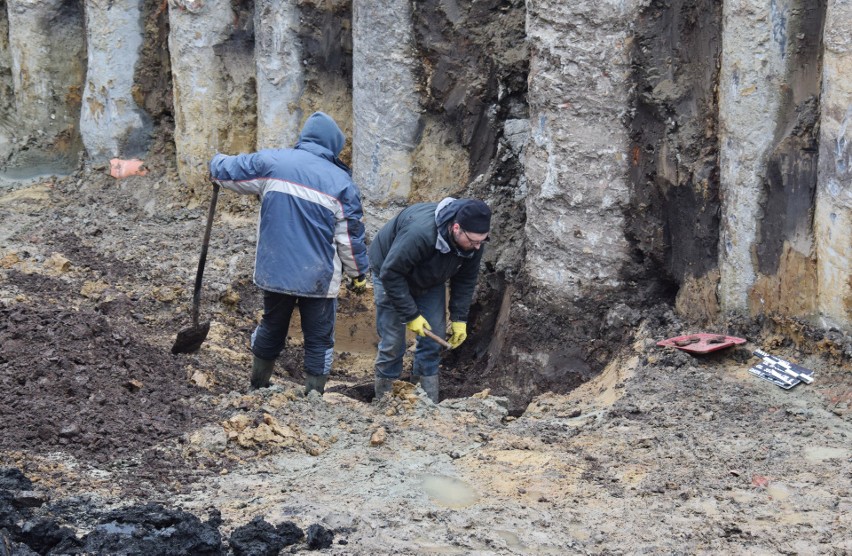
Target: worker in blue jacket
(414, 257)
(309, 235)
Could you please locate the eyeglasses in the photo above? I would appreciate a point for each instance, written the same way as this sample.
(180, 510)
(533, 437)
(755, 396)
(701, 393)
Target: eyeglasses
(473, 242)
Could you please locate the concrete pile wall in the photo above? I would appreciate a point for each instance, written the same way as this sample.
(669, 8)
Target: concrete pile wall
(724, 190)
(698, 146)
(210, 70)
(47, 47)
(111, 123)
(385, 103)
(833, 220)
(7, 88)
(280, 77)
(769, 111)
(246, 76)
(576, 161)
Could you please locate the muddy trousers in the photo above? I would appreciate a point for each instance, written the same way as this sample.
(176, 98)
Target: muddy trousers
(318, 317)
(391, 329)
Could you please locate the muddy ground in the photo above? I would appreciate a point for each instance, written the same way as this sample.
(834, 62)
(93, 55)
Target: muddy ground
(109, 444)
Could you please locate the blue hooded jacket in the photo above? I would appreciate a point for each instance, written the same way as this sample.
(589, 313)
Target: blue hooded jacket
(310, 230)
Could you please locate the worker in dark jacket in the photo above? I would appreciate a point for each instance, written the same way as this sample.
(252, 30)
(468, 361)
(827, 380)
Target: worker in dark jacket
(310, 233)
(413, 257)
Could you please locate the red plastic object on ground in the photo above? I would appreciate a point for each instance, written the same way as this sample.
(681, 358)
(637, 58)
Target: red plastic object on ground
(702, 342)
(125, 168)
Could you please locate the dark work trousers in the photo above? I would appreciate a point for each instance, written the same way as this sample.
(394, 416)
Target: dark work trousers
(318, 316)
(391, 329)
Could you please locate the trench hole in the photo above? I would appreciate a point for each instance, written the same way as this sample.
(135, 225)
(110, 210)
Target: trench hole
(483, 362)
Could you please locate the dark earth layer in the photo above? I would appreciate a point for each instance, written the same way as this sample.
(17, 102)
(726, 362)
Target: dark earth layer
(73, 380)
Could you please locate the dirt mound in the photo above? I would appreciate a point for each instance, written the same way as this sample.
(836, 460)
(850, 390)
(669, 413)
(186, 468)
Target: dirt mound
(77, 381)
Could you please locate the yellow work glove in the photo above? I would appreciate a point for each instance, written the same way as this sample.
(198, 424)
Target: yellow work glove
(458, 335)
(418, 325)
(358, 285)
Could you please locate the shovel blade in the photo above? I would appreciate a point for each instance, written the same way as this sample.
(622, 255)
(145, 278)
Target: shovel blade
(189, 340)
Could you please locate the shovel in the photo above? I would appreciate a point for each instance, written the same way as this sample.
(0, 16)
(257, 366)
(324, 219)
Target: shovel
(190, 339)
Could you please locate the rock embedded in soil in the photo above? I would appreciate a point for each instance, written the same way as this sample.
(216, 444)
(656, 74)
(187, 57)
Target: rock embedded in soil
(14, 479)
(261, 538)
(319, 537)
(154, 529)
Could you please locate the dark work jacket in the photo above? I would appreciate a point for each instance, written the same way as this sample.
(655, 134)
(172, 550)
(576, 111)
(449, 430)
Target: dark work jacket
(409, 256)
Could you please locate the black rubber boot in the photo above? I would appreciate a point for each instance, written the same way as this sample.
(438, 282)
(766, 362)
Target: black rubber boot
(261, 372)
(315, 383)
(430, 386)
(382, 386)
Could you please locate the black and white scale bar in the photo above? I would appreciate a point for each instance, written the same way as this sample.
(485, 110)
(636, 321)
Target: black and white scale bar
(772, 374)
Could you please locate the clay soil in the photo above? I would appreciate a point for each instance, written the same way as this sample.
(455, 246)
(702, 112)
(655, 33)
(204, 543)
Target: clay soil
(109, 444)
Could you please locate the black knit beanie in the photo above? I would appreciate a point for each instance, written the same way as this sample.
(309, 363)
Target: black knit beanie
(474, 216)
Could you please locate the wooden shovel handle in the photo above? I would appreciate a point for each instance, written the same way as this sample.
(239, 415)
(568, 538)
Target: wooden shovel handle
(437, 338)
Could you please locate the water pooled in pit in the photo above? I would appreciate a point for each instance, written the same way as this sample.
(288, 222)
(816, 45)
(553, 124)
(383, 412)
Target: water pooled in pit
(449, 492)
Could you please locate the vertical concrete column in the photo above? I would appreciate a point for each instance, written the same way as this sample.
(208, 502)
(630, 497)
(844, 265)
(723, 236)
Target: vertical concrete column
(7, 89)
(385, 103)
(111, 123)
(197, 27)
(47, 43)
(753, 48)
(833, 217)
(280, 74)
(576, 164)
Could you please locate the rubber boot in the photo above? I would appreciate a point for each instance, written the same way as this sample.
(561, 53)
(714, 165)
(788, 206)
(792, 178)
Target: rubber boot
(315, 383)
(382, 386)
(261, 372)
(430, 386)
